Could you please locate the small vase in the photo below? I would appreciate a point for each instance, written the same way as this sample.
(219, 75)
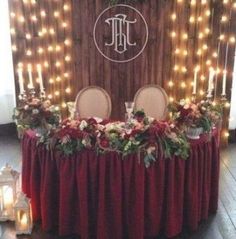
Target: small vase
(194, 133)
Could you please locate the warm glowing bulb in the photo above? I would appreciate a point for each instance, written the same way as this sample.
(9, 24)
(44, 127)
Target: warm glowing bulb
(170, 83)
(199, 19)
(43, 13)
(51, 81)
(40, 50)
(21, 19)
(203, 78)
(58, 48)
(232, 39)
(58, 79)
(226, 134)
(171, 99)
(222, 37)
(173, 34)
(28, 52)
(50, 97)
(14, 48)
(207, 30)
(51, 31)
(227, 104)
(50, 48)
(205, 47)
(57, 93)
(57, 64)
(33, 2)
(176, 68)
(63, 105)
(177, 51)
(66, 75)
(208, 13)
(13, 31)
(192, 19)
(193, 2)
(200, 35)
(225, 1)
(224, 18)
(67, 58)
(56, 14)
(203, 2)
(46, 64)
(215, 55)
(173, 16)
(68, 90)
(34, 18)
(28, 36)
(185, 36)
(20, 64)
(208, 62)
(67, 42)
(66, 7)
(201, 92)
(183, 85)
(64, 24)
(185, 52)
(184, 69)
(12, 14)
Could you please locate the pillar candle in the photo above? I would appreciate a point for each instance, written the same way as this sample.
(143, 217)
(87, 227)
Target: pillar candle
(21, 80)
(39, 69)
(210, 82)
(31, 86)
(195, 80)
(224, 83)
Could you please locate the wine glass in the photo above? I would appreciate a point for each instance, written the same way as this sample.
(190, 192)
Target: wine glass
(129, 106)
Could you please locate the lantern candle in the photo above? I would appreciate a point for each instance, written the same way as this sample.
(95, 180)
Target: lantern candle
(210, 82)
(23, 215)
(195, 80)
(39, 69)
(21, 80)
(31, 86)
(8, 200)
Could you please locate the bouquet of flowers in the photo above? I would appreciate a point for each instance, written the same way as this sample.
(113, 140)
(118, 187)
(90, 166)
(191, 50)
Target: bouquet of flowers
(36, 114)
(190, 115)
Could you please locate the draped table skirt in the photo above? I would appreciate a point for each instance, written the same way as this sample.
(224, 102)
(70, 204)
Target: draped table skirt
(105, 196)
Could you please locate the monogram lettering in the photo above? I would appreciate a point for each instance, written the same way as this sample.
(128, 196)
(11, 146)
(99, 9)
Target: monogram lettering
(120, 28)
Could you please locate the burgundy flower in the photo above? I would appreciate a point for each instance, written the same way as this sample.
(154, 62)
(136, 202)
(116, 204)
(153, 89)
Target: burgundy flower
(104, 143)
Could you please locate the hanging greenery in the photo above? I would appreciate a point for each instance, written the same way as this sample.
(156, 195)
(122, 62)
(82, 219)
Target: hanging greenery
(113, 2)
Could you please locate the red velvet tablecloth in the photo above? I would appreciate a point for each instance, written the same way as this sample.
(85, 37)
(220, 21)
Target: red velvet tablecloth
(106, 197)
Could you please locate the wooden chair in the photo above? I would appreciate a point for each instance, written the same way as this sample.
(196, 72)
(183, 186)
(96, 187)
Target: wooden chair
(93, 101)
(153, 100)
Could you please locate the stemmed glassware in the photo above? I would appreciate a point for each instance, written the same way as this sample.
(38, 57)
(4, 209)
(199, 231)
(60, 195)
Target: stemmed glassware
(129, 106)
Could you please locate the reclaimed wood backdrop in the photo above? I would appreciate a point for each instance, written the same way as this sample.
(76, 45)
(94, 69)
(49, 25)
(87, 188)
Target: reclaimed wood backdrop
(182, 34)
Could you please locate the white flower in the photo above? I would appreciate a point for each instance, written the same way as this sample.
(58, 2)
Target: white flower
(151, 149)
(182, 102)
(26, 107)
(83, 125)
(35, 111)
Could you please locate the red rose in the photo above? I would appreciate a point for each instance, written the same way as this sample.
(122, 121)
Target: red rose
(104, 143)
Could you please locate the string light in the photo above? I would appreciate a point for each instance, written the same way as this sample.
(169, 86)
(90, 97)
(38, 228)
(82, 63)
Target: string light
(68, 90)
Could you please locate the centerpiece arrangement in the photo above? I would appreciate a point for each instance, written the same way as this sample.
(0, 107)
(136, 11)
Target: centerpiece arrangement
(196, 118)
(38, 114)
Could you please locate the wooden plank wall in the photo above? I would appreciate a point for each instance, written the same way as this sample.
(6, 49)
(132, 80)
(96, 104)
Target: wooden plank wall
(156, 65)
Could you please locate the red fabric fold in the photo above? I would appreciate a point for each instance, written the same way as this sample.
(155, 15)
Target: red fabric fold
(105, 196)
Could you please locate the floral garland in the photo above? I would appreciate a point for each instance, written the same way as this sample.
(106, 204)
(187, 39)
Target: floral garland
(141, 135)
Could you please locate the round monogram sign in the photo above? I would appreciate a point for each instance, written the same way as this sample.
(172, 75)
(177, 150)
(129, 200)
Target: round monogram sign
(120, 33)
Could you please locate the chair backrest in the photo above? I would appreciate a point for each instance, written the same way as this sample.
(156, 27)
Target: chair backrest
(93, 101)
(153, 100)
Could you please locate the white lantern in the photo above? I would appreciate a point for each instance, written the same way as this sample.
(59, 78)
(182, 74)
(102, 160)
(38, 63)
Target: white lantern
(23, 215)
(9, 180)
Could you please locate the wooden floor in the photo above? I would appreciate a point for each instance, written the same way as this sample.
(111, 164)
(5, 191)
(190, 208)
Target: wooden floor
(220, 226)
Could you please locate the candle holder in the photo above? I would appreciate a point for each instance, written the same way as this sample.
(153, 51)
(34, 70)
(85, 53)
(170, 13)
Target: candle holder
(32, 92)
(194, 98)
(23, 97)
(42, 94)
